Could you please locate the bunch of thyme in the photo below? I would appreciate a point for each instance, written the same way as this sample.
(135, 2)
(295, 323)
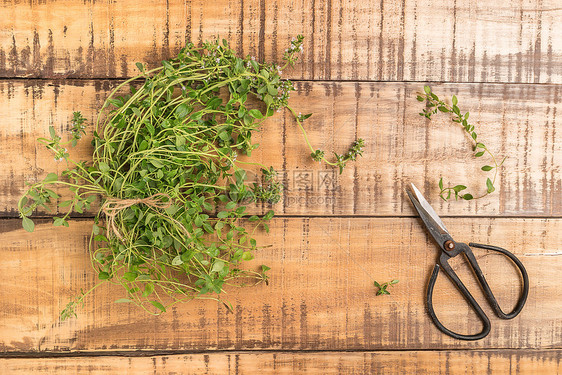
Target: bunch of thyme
(164, 162)
(434, 105)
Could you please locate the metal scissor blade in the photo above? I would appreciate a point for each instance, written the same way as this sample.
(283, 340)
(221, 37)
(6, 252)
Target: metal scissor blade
(427, 207)
(428, 215)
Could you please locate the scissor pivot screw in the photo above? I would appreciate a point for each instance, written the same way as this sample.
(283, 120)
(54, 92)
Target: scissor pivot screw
(449, 245)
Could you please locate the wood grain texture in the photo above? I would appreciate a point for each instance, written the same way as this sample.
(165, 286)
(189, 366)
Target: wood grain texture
(321, 295)
(238, 363)
(383, 40)
(517, 121)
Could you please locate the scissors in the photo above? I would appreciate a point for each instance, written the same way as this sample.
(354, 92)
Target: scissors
(450, 249)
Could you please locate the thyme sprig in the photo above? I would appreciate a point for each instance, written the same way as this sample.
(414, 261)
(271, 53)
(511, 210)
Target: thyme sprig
(382, 288)
(434, 105)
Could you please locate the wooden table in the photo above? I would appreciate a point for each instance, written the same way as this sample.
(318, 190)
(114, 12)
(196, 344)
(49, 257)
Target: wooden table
(363, 63)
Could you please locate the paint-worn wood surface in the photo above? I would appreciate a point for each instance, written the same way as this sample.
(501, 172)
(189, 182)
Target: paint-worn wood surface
(320, 296)
(362, 65)
(542, 362)
(383, 40)
(518, 121)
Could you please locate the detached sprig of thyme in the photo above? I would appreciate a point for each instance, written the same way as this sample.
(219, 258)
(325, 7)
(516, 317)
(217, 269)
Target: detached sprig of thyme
(382, 288)
(434, 105)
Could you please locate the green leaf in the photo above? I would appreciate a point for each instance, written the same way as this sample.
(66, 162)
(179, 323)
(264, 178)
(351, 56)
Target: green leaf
(427, 90)
(217, 266)
(177, 261)
(130, 276)
(377, 284)
(230, 205)
(247, 255)
(52, 131)
(268, 215)
(103, 275)
(222, 214)
(441, 184)
(487, 168)
(103, 167)
(156, 163)
(140, 66)
(123, 300)
(182, 111)
(478, 154)
(158, 305)
(51, 177)
(490, 186)
(467, 197)
(148, 289)
(395, 281)
(255, 113)
(455, 100)
(28, 224)
(459, 188)
(59, 221)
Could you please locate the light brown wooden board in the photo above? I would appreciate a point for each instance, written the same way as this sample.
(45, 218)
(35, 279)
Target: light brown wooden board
(517, 121)
(402, 362)
(321, 295)
(383, 40)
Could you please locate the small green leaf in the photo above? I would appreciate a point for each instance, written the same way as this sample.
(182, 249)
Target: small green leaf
(427, 90)
(103, 167)
(255, 113)
(455, 100)
(395, 281)
(59, 221)
(148, 289)
(123, 300)
(51, 177)
(230, 205)
(441, 184)
(103, 275)
(130, 276)
(478, 154)
(458, 188)
(269, 215)
(467, 197)
(487, 168)
(247, 255)
(140, 66)
(222, 214)
(28, 224)
(158, 305)
(490, 186)
(177, 261)
(217, 266)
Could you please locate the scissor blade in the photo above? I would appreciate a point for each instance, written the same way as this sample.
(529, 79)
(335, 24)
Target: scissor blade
(427, 207)
(433, 223)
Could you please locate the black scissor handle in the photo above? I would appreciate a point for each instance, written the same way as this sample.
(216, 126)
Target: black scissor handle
(487, 291)
(467, 295)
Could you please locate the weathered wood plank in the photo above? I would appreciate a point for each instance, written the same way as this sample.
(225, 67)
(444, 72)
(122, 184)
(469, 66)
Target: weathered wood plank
(514, 362)
(518, 121)
(433, 40)
(321, 295)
